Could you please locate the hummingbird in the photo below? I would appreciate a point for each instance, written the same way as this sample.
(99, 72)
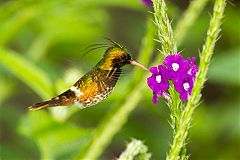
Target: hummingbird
(97, 84)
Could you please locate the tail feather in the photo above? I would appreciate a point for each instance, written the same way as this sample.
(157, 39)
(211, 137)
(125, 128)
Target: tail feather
(63, 99)
(41, 105)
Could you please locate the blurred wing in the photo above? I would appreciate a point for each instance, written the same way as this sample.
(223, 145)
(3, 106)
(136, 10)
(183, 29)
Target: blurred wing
(113, 75)
(108, 79)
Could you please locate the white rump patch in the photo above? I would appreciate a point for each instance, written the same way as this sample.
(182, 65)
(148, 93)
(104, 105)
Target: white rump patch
(80, 105)
(77, 92)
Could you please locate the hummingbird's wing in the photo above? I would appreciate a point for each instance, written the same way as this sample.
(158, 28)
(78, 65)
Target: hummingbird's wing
(108, 79)
(113, 75)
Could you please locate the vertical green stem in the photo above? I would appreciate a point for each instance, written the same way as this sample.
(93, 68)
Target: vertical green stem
(205, 57)
(188, 18)
(165, 37)
(165, 33)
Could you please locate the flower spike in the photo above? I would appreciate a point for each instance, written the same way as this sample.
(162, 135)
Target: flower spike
(181, 72)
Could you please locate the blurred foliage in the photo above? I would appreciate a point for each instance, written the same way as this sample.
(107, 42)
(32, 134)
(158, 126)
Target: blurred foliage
(41, 48)
(135, 150)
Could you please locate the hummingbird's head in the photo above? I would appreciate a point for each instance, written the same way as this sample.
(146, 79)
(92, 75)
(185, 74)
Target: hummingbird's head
(118, 56)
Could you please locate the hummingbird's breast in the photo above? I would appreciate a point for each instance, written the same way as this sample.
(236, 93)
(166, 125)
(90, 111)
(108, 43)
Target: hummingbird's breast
(94, 86)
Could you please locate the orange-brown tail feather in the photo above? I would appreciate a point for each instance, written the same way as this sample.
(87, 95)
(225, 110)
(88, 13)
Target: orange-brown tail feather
(41, 105)
(64, 99)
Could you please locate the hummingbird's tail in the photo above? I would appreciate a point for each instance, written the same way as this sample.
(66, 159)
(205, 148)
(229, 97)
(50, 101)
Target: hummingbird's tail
(63, 99)
(42, 105)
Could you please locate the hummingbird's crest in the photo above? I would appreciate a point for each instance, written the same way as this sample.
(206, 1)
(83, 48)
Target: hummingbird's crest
(97, 84)
(94, 47)
(115, 43)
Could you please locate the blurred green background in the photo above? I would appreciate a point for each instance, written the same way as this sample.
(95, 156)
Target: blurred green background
(41, 48)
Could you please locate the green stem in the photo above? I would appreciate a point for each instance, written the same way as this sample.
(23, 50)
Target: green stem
(189, 16)
(205, 57)
(29, 73)
(165, 37)
(165, 33)
(115, 119)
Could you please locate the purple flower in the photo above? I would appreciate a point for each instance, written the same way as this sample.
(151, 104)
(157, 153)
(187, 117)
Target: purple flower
(176, 65)
(181, 72)
(147, 3)
(155, 98)
(193, 69)
(158, 82)
(184, 86)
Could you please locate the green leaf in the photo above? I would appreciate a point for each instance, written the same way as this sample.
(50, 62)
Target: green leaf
(27, 72)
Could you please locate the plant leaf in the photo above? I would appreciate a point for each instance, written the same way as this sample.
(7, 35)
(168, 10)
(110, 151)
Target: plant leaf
(27, 72)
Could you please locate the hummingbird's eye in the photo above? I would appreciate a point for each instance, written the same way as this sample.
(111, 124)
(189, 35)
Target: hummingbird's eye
(123, 56)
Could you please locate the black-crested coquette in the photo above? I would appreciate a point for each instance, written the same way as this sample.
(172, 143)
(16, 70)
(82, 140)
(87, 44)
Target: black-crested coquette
(95, 85)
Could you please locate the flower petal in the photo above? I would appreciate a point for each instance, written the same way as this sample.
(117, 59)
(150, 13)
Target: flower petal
(163, 71)
(184, 96)
(178, 57)
(164, 85)
(155, 98)
(183, 66)
(179, 88)
(153, 70)
(168, 61)
(151, 81)
(147, 3)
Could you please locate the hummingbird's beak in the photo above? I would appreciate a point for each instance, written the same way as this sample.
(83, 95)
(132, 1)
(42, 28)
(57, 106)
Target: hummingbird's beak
(134, 63)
